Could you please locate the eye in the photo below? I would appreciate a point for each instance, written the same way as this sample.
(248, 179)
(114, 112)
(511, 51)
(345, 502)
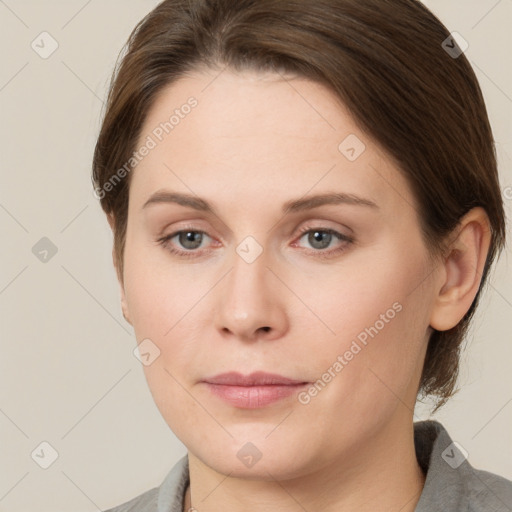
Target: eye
(189, 239)
(188, 242)
(321, 239)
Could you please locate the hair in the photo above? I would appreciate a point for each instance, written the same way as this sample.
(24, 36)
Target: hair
(385, 61)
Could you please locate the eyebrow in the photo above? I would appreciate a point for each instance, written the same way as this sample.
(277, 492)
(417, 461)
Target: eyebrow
(296, 205)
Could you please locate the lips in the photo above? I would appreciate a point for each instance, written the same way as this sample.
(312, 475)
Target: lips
(254, 379)
(253, 391)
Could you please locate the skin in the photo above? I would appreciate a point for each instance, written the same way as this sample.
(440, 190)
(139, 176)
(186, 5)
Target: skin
(254, 142)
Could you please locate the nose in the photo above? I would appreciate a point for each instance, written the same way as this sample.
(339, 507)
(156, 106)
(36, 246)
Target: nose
(251, 302)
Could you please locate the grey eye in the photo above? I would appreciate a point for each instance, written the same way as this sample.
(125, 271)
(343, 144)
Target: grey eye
(319, 239)
(190, 239)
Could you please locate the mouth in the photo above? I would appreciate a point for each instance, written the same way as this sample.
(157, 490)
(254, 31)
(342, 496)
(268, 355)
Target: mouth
(253, 391)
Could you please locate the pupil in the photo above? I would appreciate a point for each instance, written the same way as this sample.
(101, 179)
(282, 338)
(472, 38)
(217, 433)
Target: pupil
(191, 238)
(321, 237)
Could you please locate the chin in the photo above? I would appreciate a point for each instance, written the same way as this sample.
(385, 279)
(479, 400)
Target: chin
(256, 459)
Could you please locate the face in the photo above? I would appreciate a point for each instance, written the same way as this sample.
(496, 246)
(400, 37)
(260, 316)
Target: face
(268, 233)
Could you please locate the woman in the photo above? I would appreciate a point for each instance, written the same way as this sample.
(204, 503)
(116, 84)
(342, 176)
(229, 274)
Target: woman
(305, 206)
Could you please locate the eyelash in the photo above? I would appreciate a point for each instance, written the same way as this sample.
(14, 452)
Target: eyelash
(321, 253)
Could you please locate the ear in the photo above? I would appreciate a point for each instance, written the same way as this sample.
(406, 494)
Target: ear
(461, 270)
(124, 304)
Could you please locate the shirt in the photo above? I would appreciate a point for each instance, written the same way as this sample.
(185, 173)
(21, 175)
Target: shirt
(451, 483)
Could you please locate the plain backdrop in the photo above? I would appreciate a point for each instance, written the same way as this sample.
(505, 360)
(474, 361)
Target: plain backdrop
(68, 374)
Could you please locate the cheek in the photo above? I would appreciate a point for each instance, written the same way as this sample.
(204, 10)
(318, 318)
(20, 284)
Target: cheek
(377, 311)
(369, 293)
(176, 403)
(383, 372)
(158, 293)
(163, 306)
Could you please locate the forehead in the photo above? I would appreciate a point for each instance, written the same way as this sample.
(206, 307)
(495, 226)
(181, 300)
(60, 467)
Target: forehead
(255, 133)
(245, 105)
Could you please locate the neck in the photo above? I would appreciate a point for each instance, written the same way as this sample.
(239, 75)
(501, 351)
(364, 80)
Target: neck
(384, 476)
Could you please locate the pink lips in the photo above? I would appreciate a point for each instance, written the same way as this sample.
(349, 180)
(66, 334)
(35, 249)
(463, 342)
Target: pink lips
(252, 391)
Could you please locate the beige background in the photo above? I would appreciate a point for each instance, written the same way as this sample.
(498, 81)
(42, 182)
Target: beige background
(68, 375)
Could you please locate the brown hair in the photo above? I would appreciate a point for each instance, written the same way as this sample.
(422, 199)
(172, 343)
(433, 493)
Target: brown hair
(384, 59)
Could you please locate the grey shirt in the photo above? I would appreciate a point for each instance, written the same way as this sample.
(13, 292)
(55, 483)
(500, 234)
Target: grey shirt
(451, 484)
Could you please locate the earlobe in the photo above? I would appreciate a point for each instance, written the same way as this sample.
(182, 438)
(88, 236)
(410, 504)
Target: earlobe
(462, 270)
(124, 305)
